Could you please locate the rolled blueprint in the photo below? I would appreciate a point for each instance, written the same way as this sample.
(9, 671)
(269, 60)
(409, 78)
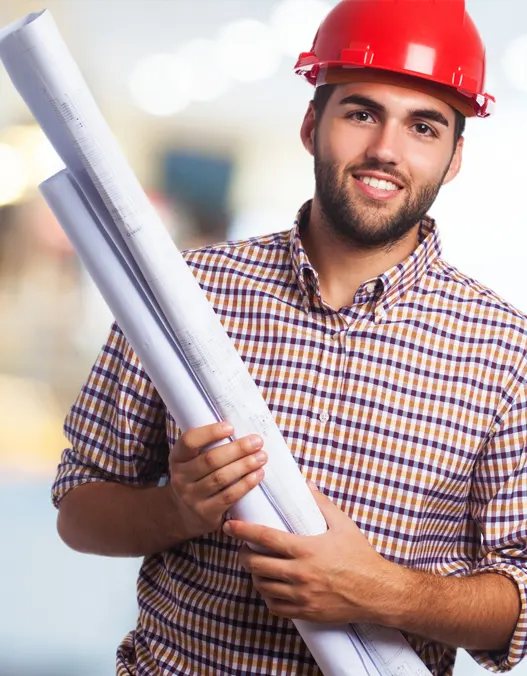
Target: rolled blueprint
(48, 79)
(177, 386)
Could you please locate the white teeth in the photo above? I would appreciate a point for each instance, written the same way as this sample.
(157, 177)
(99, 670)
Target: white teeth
(379, 184)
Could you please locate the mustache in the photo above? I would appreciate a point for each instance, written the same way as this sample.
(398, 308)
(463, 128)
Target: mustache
(376, 166)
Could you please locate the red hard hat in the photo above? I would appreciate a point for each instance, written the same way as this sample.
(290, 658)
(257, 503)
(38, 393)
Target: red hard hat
(433, 40)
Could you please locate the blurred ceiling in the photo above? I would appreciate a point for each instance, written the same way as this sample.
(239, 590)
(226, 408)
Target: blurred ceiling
(109, 37)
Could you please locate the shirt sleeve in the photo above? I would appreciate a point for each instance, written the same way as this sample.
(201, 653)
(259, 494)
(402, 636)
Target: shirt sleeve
(499, 508)
(116, 427)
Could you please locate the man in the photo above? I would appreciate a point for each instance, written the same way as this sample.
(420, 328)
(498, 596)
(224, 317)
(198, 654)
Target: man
(398, 382)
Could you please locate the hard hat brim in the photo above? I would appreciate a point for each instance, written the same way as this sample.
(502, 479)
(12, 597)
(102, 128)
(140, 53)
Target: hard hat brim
(340, 75)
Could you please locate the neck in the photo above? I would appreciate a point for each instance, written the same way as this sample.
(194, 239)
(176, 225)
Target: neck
(342, 266)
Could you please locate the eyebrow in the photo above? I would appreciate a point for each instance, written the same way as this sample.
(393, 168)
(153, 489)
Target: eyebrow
(430, 114)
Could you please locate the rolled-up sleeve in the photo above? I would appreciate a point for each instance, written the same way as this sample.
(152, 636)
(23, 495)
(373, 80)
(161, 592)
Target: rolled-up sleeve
(499, 507)
(116, 427)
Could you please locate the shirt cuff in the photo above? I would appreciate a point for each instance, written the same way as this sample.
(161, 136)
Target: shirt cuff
(71, 473)
(502, 661)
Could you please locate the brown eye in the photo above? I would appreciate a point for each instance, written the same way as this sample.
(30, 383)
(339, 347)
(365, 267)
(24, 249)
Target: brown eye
(360, 116)
(424, 130)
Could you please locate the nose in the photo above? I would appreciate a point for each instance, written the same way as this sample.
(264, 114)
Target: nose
(386, 144)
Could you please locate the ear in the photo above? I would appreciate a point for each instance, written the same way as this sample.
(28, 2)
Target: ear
(455, 163)
(307, 130)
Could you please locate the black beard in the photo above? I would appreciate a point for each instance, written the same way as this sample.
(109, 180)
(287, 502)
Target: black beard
(360, 225)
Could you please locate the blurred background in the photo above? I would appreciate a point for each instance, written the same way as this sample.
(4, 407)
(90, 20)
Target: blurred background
(202, 98)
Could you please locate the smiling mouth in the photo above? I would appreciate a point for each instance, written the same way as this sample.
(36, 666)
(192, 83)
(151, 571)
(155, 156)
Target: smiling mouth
(378, 190)
(378, 184)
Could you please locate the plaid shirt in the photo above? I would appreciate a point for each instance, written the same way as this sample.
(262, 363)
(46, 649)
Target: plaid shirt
(408, 409)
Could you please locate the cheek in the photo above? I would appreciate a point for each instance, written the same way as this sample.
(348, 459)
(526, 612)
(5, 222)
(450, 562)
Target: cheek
(426, 166)
(338, 142)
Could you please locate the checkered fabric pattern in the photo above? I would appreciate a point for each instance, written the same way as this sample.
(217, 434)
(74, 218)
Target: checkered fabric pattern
(407, 408)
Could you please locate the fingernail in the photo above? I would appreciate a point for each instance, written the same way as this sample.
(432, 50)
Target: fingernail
(260, 456)
(227, 528)
(227, 427)
(255, 441)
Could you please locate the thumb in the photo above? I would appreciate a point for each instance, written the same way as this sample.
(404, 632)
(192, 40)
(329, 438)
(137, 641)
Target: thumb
(334, 515)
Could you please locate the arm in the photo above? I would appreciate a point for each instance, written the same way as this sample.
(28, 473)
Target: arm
(115, 520)
(106, 487)
(486, 611)
(477, 613)
(112, 519)
(339, 577)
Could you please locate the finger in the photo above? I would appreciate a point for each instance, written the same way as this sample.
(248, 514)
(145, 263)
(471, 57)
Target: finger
(265, 566)
(228, 475)
(225, 499)
(277, 541)
(274, 589)
(191, 442)
(221, 457)
(282, 608)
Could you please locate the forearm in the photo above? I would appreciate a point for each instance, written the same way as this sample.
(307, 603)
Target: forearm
(478, 613)
(111, 519)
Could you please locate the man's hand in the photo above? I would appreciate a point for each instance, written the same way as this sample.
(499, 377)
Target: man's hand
(336, 577)
(205, 485)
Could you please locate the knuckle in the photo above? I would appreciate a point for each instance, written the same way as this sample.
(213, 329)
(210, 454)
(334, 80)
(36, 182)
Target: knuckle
(185, 439)
(187, 500)
(218, 478)
(208, 459)
(239, 448)
(312, 613)
(201, 512)
(265, 539)
(228, 497)
(176, 484)
(252, 479)
(301, 578)
(173, 457)
(245, 444)
(304, 599)
(178, 480)
(256, 569)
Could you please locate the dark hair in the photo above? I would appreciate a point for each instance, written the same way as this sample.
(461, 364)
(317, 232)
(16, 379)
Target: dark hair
(324, 92)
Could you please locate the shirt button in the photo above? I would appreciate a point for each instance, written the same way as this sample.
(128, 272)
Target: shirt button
(370, 288)
(323, 417)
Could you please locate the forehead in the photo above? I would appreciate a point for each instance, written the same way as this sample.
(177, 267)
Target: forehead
(397, 100)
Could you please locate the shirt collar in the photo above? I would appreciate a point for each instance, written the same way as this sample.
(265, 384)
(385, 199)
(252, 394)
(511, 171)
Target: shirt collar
(397, 281)
(305, 273)
(390, 286)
